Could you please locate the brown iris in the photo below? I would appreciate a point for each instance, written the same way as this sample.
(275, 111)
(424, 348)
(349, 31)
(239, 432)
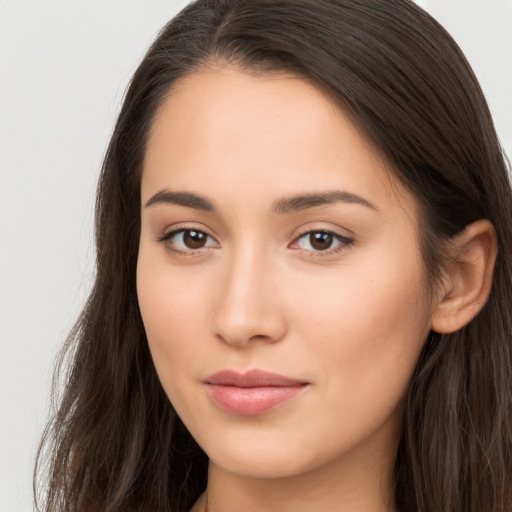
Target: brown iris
(194, 239)
(321, 240)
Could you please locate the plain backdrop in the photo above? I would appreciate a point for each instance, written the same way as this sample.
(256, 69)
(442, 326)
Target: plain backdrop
(64, 66)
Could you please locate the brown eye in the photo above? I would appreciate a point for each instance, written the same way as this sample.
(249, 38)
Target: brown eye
(194, 239)
(321, 241)
(327, 242)
(188, 240)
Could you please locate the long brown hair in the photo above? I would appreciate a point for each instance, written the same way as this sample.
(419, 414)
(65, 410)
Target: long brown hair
(115, 442)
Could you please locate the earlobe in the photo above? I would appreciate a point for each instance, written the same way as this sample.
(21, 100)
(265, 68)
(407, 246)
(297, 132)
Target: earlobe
(468, 277)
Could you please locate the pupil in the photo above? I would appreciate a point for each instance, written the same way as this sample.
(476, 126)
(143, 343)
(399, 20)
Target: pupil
(321, 241)
(194, 239)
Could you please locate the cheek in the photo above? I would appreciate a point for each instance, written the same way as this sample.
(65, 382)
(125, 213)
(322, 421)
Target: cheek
(170, 296)
(375, 298)
(368, 330)
(166, 307)
(172, 313)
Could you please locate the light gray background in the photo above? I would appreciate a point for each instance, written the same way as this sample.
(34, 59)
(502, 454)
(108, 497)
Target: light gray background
(64, 66)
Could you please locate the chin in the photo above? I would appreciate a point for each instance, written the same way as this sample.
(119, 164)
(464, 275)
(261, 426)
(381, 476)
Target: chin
(269, 455)
(261, 466)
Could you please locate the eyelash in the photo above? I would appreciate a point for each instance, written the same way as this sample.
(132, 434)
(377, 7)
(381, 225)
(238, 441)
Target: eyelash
(166, 239)
(344, 242)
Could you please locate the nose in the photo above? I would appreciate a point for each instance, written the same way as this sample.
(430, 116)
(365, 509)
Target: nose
(248, 308)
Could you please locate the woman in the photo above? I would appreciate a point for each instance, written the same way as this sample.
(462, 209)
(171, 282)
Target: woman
(303, 286)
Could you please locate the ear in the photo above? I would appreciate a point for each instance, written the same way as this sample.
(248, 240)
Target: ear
(468, 277)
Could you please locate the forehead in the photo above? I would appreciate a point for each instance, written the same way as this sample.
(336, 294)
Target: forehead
(224, 130)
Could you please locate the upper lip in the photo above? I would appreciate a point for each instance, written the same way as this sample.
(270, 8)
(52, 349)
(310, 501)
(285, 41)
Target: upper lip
(251, 379)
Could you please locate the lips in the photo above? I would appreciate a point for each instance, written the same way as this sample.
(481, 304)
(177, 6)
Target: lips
(253, 392)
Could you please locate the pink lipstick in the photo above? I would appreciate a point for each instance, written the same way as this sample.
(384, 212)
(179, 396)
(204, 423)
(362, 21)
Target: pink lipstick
(253, 392)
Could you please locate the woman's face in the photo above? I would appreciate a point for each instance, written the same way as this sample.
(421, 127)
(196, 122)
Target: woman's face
(274, 241)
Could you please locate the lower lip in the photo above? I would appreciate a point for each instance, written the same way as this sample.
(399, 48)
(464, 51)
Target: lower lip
(252, 401)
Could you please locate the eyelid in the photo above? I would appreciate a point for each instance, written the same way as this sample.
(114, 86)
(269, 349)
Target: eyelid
(168, 234)
(345, 241)
(171, 229)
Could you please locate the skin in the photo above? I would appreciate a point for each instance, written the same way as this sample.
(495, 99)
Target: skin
(350, 320)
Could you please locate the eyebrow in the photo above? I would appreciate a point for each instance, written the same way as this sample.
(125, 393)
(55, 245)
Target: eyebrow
(304, 201)
(280, 207)
(182, 199)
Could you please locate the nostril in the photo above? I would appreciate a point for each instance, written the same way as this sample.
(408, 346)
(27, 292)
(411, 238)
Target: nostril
(259, 337)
